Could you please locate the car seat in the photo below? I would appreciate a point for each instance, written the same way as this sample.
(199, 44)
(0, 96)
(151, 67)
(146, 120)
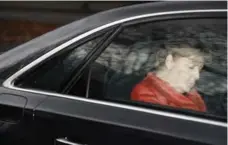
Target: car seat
(118, 86)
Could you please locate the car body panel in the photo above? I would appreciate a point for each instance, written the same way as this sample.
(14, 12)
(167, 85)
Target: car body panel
(137, 120)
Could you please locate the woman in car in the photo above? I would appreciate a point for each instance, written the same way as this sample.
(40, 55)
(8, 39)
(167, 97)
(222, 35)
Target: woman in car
(173, 81)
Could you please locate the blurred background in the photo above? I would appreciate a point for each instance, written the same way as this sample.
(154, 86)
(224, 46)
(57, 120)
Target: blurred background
(22, 21)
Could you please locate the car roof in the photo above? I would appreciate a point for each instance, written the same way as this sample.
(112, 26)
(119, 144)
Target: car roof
(30, 50)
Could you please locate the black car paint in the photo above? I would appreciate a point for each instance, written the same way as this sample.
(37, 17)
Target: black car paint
(46, 118)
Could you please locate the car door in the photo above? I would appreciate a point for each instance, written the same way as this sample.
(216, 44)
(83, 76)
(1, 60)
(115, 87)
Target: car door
(91, 108)
(101, 120)
(130, 56)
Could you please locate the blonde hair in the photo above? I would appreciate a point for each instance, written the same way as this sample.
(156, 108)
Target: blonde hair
(182, 51)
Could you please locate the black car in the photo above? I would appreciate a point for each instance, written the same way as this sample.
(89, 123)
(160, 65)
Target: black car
(72, 85)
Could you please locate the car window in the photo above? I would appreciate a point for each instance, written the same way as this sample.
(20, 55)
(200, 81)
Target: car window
(180, 64)
(50, 75)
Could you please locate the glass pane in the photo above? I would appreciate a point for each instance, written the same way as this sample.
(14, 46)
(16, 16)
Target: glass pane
(50, 75)
(186, 57)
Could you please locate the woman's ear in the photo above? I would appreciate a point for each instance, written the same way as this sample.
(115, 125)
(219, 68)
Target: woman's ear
(169, 62)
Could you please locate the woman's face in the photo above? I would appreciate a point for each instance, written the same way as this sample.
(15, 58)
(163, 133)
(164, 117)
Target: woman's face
(185, 71)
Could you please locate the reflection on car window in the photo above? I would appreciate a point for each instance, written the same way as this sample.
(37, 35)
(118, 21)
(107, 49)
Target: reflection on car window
(50, 75)
(179, 63)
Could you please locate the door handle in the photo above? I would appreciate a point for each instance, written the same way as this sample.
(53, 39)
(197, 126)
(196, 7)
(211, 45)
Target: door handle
(64, 141)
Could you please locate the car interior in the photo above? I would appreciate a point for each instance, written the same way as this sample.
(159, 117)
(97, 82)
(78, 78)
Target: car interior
(103, 83)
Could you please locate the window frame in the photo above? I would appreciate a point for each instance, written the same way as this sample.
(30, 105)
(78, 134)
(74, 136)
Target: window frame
(10, 81)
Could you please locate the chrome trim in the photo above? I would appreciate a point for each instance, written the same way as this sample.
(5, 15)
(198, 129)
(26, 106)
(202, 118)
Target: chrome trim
(9, 83)
(62, 140)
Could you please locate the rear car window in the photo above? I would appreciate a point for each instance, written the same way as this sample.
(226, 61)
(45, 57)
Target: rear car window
(134, 53)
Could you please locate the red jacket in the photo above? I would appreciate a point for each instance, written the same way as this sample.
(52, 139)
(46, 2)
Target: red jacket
(154, 90)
